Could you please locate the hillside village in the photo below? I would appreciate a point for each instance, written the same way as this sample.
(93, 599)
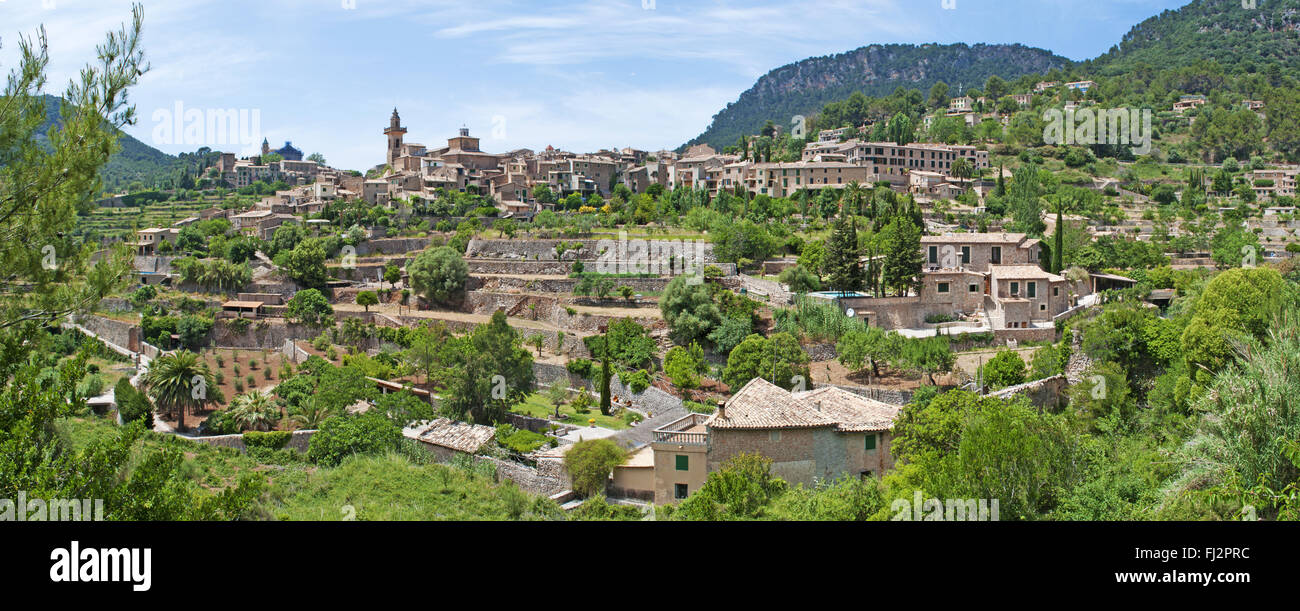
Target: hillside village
(910, 294)
(987, 289)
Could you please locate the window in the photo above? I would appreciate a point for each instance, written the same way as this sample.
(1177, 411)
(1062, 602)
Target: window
(1033, 290)
(943, 287)
(965, 255)
(996, 258)
(974, 288)
(934, 255)
(679, 491)
(871, 441)
(774, 436)
(683, 462)
(1042, 307)
(1015, 288)
(1056, 291)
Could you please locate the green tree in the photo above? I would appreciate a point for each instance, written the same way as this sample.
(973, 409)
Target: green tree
(741, 489)
(591, 462)
(345, 435)
(309, 307)
(689, 310)
(843, 268)
(367, 299)
(438, 274)
(901, 241)
(181, 382)
(1006, 368)
(779, 360)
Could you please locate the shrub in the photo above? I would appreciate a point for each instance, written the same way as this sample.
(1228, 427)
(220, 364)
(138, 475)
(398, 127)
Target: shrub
(132, 404)
(519, 440)
(273, 440)
(220, 423)
(580, 367)
(699, 408)
(590, 464)
(637, 381)
(342, 436)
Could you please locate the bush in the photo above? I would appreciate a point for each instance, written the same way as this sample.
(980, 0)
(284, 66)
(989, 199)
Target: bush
(590, 464)
(581, 367)
(342, 436)
(273, 440)
(220, 423)
(438, 274)
(636, 381)
(519, 440)
(132, 404)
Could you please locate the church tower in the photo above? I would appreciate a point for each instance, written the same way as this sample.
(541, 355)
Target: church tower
(266, 147)
(394, 133)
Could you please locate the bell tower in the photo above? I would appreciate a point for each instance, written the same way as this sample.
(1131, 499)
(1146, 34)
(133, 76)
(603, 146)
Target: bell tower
(394, 133)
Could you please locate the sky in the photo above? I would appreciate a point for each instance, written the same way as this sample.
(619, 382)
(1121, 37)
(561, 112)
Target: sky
(577, 75)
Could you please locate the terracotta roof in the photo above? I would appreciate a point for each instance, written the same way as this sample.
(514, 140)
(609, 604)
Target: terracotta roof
(1022, 272)
(459, 436)
(975, 238)
(854, 413)
(763, 405)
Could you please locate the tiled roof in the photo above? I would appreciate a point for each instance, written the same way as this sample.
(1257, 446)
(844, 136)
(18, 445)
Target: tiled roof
(459, 436)
(854, 413)
(1022, 272)
(763, 405)
(975, 238)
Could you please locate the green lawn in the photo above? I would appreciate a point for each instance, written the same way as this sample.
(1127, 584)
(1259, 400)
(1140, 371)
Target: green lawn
(537, 406)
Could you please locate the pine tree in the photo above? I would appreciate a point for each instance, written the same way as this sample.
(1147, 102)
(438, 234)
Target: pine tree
(844, 271)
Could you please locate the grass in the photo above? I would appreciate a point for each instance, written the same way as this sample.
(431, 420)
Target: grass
(537, 406)
(389, 487)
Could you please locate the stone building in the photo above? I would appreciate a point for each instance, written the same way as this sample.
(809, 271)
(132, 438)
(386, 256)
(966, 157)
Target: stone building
(813, 436)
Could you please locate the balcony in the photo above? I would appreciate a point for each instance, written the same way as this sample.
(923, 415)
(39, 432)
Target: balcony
(689, 430)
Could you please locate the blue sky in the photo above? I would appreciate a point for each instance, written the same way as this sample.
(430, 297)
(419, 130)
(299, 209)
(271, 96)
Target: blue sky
(578, 75)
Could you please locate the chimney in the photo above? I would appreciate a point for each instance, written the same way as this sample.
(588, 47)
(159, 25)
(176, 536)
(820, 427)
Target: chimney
(819, 406)
(722, 411)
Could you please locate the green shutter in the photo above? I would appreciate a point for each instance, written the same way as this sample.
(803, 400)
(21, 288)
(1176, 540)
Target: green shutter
(871, 441)
(683, 462)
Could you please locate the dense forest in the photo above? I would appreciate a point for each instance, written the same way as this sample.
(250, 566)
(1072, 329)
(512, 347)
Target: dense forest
(1208, 46)
(876, 70)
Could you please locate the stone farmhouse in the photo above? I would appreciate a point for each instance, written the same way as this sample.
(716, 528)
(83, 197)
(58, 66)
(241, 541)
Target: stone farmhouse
(985, 281)
(813, 436)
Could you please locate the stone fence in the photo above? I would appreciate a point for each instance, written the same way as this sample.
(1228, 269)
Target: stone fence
(298, 441)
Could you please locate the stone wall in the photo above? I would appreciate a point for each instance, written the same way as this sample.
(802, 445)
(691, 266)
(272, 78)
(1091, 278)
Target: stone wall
(115, 331)
(393, 245)
(529, 479)
(892, 396)
(1045, 393)
(298, 441)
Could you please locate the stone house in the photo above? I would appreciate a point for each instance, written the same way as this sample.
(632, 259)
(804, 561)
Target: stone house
(811, 437)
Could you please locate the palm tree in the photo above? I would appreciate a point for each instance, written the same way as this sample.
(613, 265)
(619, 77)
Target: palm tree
(962, 170)
(310, 415)
(180, 381)
(254, 410)
(852, 198)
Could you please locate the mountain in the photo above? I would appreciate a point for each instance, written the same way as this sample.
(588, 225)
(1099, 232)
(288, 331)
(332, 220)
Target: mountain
(136, 161)
(803, 87)
(1240, 39)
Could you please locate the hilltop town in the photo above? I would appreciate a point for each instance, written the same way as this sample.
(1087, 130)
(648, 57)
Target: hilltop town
(1033, 298)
